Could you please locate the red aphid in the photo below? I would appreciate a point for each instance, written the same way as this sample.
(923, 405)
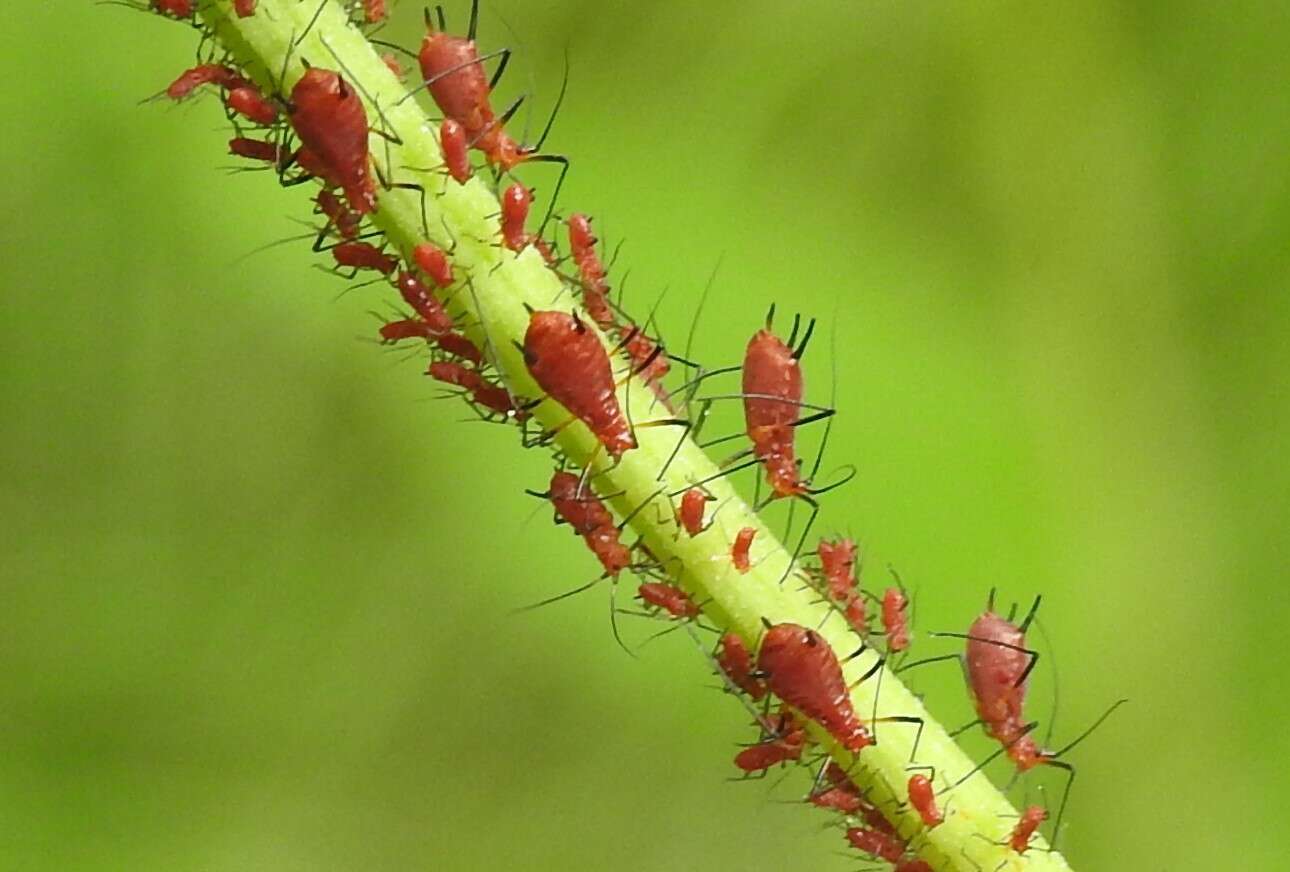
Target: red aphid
(374, 11)
(690, 515)
(424, 303)
(894, 619)
(838, 563)
(1024, 831)
(482, 392)
(452, 142)
(885, 846)
(736, 662)
(912, 865)
(772, 386)
(177, 8)
(843, 795)
(259, 149)
(669, 598)
(578, 506)
(364, 255)
(204, 74)
(339, 215)
(331, 122)
(516, 200)
(922, 796)
(407, 328)
(244, 8)
(434, 262)
(459, 346)
(996, 664)
(595, 290)
(802, 670)
(739, 551)
(569, 363)
(786, 742)
(648, 359)
(247, 101)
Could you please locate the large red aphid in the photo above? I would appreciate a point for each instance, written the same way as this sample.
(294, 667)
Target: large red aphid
(452, 141)
(424, 303)
(595, 290)
(244, 8)
(894, 619)
(259, 149)
(739, 550)
(576, 505)
(364, 255)
(736, 662)
(481, 391)
(569, 362)
(669, 598)
(772, 387)
(922, 796)
(247, 101)
(787, 739)
(204, 74)
(884, 846)
(690, 515)
(1024, 831)
(516, 200)
(998, 666)
(802, 670)
(434, 262)
(331, 122)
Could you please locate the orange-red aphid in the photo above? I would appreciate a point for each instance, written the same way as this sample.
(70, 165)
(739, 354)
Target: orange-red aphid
(259, 149)
(244, 8)
(997, 667)
(1024, 831)
(772, 386)
(576, 505)
(894, 619)
(787, 740)
(922, 796)
(424, 303)
(802, 670)
(406, 328)
(736, 662)
(516, 200)
(434, 262)
(569, 362)
(452, 141)
(885, 846)
(482, 392)
(459, 346)
(690, 515)
(838, 565)
(669, 598)
(177, 8)
(739, 551)
(246, 100)
(203, 74)
(595, 290)
(364, 255)
(329, 118)
(374, 11)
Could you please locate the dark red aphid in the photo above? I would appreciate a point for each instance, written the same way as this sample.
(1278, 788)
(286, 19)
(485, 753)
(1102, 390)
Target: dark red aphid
(802, 670)
(569, 362)
(247, 101)
(787, 739)
(344, 219)
(424, 303)
(452, 141)
(739, 551)
(648, 359)
(922, 796)
(669, 598)
(1024, 831)
(516, 200)
(433, 261)
(894, 619)
(204, 74)
(736, 662)
(407, 328)
(595, 290)
(482, 392)
(177, 8)
(331, 122)
(576, 505)
(244, 8)
(885, 846)
(364, 255)
(690, 515)
(772, 386)
(374, 11)
(259, 149)
(841, 794)
(459, 346)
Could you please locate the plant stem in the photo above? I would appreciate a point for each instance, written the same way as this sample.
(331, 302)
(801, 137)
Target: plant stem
(498, 287)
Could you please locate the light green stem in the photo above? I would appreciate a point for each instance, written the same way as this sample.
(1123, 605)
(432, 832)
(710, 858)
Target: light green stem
(497, 286)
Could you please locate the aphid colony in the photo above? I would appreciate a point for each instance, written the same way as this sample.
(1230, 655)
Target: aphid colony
(579, 357)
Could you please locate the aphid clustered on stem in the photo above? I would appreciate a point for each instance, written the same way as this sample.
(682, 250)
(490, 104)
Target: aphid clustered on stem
(578, 363)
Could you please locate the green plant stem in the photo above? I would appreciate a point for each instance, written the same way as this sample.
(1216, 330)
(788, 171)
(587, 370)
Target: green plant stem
(497, 287)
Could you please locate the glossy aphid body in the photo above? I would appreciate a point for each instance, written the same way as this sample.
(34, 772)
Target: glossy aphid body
(736, 662)
(204, 74)
(434, 262)
(787, 738)
(739, 550)
(452, 142)
(330, 120)
(570, 364)
(922, 796)
(247, 101)
(690, 514)
(175, 8)
(577, 506)
(669, 598)
(772, 390)
(998, 667)
(480, 390)
(802, 670)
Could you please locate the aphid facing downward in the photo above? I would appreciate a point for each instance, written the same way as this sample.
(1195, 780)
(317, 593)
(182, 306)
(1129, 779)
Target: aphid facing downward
(481, 391)
(569, 363)
(204, 74)
(424, 303)
(772, 387)
(669, 598)
(516, 200)
(364, 255)
(739, 550)
(1024, 831)
(434, 262)
(736, 662)
(802, 670)
(452, 141)
(690, 515)
(331, 122)
(923, 798)
(576, 505)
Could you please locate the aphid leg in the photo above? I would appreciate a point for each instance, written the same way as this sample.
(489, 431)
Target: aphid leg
(1032, 654)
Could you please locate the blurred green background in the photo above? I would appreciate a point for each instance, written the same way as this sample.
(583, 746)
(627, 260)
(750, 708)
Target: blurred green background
(256, 583)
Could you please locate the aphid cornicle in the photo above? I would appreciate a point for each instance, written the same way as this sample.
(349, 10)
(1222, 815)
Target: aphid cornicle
(570, 364)
(802, 670)
(331, 122)
(772, 388)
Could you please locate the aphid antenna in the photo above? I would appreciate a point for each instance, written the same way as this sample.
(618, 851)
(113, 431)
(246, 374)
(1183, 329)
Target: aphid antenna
(1029, 652)
(393, 46)
(634, 512)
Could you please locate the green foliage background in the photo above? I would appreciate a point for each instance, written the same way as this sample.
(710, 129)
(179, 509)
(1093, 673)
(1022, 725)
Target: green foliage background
(255, 584)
